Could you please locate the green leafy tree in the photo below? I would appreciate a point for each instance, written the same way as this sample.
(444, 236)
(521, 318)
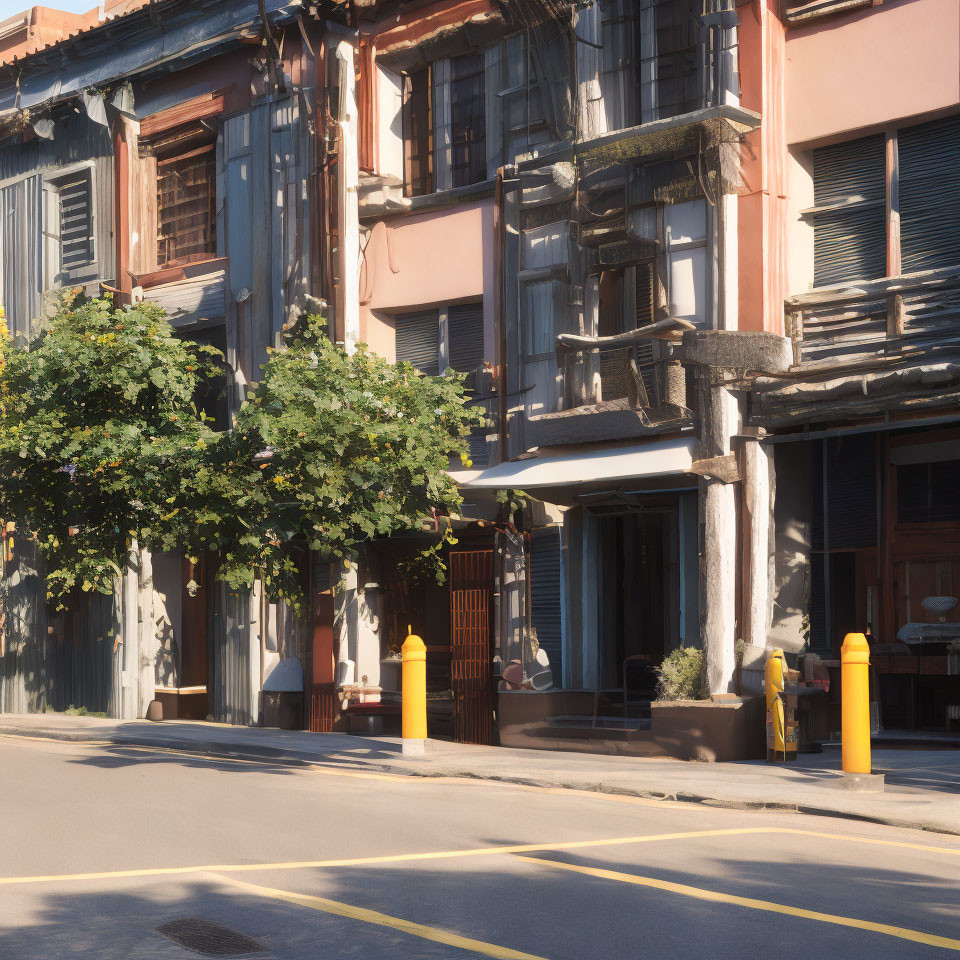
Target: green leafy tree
(330, 449)
(103, 449)
(98, 424)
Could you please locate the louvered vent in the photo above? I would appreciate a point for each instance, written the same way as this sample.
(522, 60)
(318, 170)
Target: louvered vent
(76, 222)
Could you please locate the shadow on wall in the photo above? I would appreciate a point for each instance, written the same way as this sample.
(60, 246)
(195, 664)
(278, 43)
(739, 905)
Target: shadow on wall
(52, 661)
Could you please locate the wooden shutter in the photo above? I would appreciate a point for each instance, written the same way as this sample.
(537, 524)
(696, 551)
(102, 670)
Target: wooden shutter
(545, 596)
(850, 239)
(418, 340)
(76, 221)
(930, 195)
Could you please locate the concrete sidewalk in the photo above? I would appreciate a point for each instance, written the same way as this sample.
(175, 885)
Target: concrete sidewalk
(922, 786)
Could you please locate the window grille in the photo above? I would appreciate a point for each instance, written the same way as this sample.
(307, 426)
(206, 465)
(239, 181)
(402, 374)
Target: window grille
(417, 133)
(186, 207)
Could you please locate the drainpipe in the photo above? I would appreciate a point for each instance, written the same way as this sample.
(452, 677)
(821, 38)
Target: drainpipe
(499, 323)
(348, 214)
(122, 134)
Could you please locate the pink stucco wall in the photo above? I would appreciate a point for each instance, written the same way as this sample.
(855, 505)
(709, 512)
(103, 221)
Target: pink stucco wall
(425, 260)
(888, 63)
(762, 203)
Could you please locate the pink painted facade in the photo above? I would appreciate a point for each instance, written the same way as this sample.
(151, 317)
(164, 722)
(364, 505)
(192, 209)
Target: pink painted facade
(427, 260)
(832, 79)
(864, 70)
(761, 205)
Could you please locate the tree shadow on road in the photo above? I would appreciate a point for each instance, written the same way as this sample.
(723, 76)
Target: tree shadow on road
(532, 907)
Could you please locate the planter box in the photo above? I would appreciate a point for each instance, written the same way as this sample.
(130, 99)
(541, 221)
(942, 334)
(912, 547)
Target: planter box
(707, 730)
(684, 729)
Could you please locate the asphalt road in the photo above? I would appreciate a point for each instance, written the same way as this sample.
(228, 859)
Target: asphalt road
(100, 846)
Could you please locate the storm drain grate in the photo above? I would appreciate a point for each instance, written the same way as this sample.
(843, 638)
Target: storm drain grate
(209, 938)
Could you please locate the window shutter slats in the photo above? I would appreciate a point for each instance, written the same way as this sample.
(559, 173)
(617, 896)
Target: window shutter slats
(76, 223)
(466, 336)
(930, 195)
(545, 596)
(418, 340)
(850, 244)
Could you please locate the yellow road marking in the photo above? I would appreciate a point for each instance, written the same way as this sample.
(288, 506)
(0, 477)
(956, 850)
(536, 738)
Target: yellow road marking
(385, 920)
(904, 933)
(368, 861)
(468, 852)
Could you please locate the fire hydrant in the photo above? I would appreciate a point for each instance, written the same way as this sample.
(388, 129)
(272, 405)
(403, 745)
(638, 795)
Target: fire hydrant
(781, 722)
(414, 696)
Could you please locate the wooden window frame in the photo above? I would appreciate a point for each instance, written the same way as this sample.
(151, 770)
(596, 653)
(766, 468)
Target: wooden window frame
(168, 162)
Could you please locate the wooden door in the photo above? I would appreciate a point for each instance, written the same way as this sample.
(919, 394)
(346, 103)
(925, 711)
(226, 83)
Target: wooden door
(321, 706)
(471, 596)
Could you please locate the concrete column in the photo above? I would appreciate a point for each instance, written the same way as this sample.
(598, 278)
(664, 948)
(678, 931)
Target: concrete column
(757, 553)
(719, 421)
(255, 664)
(130, 650)
(147, 633)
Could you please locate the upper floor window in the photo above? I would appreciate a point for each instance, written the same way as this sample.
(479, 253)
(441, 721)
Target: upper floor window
(467, 132)
(853, 204)
(448, 337)
(444, 125)
(849, 224)
(186, 206)
(68, 227)
(656, 59)
(417, 134)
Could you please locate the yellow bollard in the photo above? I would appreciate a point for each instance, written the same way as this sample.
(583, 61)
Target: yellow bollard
(855, 703)
(414, 695)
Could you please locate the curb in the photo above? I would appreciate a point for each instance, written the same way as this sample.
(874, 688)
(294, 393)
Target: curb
(275, 755)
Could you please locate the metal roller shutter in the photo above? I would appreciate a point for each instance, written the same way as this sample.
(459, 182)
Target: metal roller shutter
(850, 242)
(930, 195)
(418, 340)
(466, 336)
(545, 596)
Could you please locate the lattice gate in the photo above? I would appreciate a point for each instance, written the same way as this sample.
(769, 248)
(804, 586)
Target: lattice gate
(471, 597)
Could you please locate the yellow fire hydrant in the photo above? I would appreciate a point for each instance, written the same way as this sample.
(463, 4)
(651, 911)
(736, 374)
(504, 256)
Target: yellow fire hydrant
(414, 696)
(855, 703)
(781, 730)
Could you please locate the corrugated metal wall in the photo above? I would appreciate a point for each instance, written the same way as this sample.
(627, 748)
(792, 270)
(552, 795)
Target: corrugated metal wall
(22, 169)
(71, 660)
(230, 696)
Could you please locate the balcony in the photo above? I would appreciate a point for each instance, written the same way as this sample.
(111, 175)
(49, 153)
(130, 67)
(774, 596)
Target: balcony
(619, 387)
(886, 321)
(191, 294)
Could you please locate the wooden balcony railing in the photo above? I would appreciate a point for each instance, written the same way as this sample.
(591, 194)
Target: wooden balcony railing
(627, 367)
(895, 316)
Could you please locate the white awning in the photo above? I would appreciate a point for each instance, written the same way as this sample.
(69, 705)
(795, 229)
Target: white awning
(659, 458)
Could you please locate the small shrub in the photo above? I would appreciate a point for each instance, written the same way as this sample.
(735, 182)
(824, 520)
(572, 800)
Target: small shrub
(680, 676)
